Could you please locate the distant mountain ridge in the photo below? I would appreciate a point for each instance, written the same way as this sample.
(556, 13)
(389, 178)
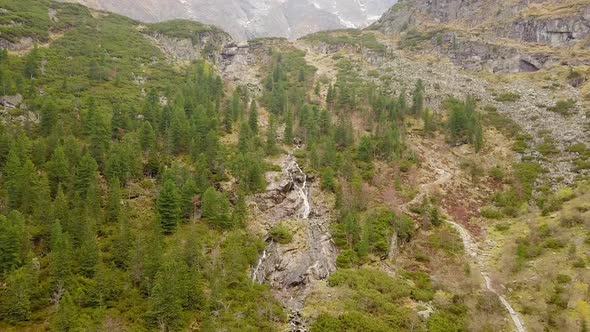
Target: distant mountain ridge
(247, 19)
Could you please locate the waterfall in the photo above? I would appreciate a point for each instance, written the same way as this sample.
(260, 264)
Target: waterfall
(303, 192)
(259, 265)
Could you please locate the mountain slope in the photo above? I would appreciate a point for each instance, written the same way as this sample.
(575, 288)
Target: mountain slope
(246, 19)
(501, 36)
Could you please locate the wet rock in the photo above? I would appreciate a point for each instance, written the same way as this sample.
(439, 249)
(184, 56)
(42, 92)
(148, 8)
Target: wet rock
(11, 101)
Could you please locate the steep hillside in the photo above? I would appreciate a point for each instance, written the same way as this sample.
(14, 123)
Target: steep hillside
(503, 36)
(246, 19)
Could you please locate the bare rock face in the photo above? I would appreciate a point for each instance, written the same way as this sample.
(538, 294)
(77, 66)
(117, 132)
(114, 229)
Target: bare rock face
(246, 19)
(310, 256)
(205, 45)
(525, 36)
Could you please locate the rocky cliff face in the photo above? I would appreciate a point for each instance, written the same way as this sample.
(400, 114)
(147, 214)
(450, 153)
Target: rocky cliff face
(524, 35)
(245, 19)
(207, 45)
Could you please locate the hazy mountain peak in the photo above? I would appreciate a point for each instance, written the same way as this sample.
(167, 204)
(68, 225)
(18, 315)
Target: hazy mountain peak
(246, 19)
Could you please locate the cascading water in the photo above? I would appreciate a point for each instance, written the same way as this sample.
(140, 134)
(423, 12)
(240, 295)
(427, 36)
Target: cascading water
(303, 189)
(259, 265)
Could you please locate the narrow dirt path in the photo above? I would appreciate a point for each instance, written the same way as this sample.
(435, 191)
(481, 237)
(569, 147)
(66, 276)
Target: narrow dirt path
(472, 250)
(471, 247)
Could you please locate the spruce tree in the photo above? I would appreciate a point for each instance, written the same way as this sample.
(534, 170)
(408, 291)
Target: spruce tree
(123, 242)
(418, 98)
(165, 300)
(66, 319)
(15, 303)
(147, 137)
(216, 208)
(12, 178)
(28, 189)
(86, 176)
(60, 262)
(12, 242)
(271, 137)
(168, 207)
(114, 205)
(58, 167)
(253, 118)
(289, 128)
(88, 253)
(49, 117)
(42, 208)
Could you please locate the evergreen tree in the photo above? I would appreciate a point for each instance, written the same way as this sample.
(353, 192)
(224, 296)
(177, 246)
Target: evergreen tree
(147, 137)
(28, 183)
(428, 119)
(165, 300)
(60, 263)
(289, 128)
(123, 241)
(328, 181)
(330, 96)
(12, 241)
(12, 181)
(66, 319)
(15, 302)
(271, 137)
(216, 208)
(88, 253)
(253, 118)
(365, 149)
(86, 176)
(168, 207)
(49, 117)
(32, 64)
(58, 167)
(418, 98)
(244, 138)
(240, 213)
(228, 118)
(42, 209)
(114, 205)
(189, 190)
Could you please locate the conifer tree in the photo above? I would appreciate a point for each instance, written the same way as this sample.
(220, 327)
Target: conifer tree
(289, 128)
(12, 242)
(271, 137)
(216, 208)
(114, 205)
(88, 253)
(168, 207)
(147, 137)
(418, 98)
(123, 241)
(86, 176)
(12, 181)
(49, 117)
(28, 180)
(32, 63)
(58, 167)
(15, 302)
(165, 300)
(42, 209)
(60, 263)
(253, 118)
(244, 138)
(66, 319)
(240, 213)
